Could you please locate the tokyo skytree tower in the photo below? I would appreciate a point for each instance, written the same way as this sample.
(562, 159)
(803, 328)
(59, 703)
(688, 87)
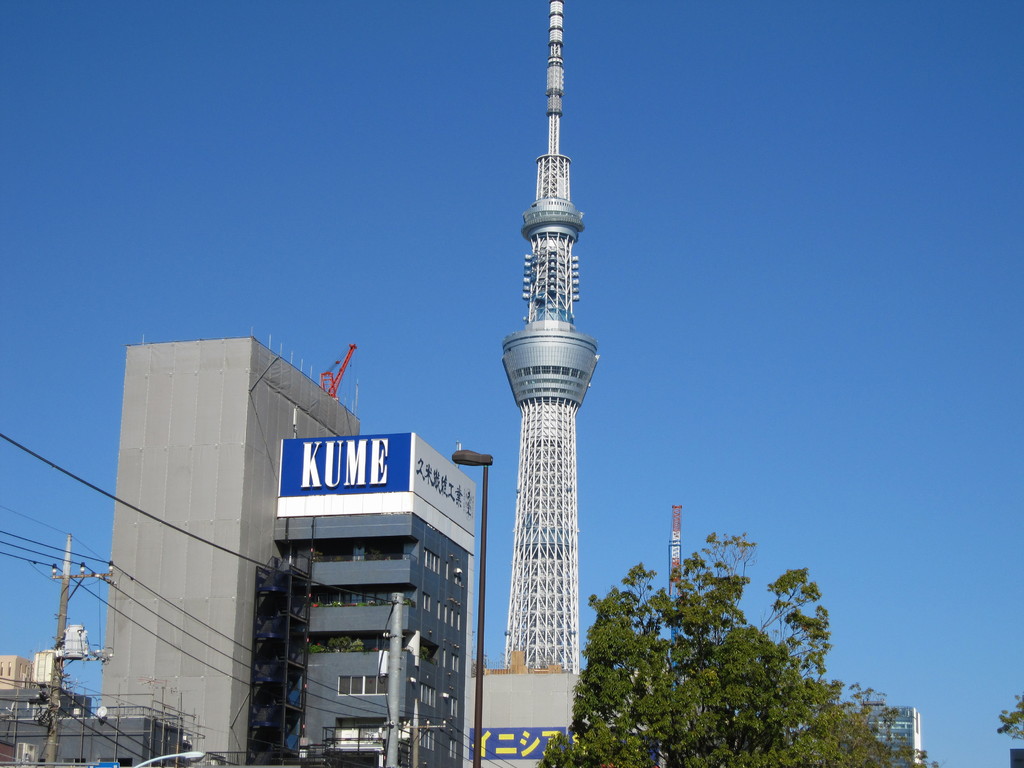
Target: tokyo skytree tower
(549, 366)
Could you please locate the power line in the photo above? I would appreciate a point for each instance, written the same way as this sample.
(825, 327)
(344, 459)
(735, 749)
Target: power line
(113, 497)
(26, 549)
(58, 550)
(34, 520)
(177, 607)
(157, 635)
(210, 666)
(212, 544)
(181, 629)
(24, 559)
(160, 520)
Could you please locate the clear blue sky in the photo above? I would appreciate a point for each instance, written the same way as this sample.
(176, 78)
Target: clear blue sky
(803, 264)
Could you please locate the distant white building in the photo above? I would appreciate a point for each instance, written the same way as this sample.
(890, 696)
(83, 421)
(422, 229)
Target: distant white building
(15, 672)
(897, 725)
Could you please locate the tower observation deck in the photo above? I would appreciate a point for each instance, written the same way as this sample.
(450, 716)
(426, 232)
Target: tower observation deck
(549, 365)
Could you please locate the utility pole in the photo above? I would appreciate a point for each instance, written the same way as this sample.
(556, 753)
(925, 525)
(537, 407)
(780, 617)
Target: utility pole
(394, 678)
(415, 731)
(56, 685)
(57, 673)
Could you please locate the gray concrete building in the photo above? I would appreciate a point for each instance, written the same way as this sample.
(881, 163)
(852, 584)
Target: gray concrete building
(201, 428)
(523, 708)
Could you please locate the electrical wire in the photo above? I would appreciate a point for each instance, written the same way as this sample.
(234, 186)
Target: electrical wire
(123, 702)
(196, 537)
(29, 517)
(213, 668)
(26, 549)
(59, 550)
(24, 559)
(64, 713)
(160, 520)
(351, 706)
(131, 506)
(174, 626)
(178, 608)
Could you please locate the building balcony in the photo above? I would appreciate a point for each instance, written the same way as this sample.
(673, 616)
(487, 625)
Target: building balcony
(355, 739)
(350, 618)
(371, 569)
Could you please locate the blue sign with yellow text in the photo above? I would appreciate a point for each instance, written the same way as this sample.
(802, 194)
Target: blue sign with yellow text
(515, 743)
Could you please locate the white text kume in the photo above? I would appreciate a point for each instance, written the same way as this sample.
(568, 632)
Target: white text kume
(360, 469)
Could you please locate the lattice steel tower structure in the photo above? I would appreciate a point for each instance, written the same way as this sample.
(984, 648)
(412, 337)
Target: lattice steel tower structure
(549, 366)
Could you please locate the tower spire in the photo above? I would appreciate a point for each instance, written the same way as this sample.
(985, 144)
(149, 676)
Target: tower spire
(549, 367)
(556, 75)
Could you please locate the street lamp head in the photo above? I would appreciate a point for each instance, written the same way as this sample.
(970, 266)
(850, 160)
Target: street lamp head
(472, 459)
(194, 755)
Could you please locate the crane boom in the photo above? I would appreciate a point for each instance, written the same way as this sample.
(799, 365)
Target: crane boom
(329, 380)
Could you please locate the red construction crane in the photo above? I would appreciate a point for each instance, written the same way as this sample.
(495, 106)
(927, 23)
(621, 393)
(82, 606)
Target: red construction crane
(329, 380)
(675, 550)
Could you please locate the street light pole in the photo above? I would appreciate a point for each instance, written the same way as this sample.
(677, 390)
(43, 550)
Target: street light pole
(471, 459)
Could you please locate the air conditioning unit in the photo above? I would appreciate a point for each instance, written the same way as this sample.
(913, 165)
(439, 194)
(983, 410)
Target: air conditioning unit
(26, 753)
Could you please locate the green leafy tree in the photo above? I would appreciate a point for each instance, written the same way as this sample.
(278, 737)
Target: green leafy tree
(1013, 720)
(689, 682)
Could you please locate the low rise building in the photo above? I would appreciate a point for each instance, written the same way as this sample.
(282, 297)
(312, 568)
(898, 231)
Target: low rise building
(15, 672)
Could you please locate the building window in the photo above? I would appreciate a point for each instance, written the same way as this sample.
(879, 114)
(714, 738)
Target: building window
(455, 662)
(425, 599)
(362, 686)
(432, 561)
(453, 707)
(428, 695)
(426, 738)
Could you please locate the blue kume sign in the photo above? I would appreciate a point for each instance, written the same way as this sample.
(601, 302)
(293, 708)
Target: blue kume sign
(345, 465)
